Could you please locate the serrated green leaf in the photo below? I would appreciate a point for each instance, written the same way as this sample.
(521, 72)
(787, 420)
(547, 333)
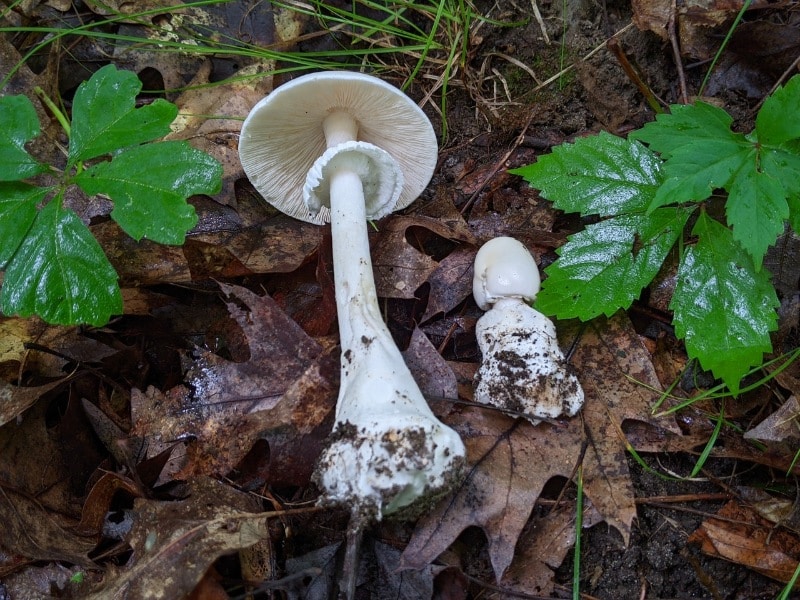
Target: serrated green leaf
(602, 174)
(778, 121)
(701, 151)
(783, 164)
(605, 267)
(19, 124)
(724, 308)
(105, 117)
(699, 167)
(684, 124)
(757, 210)
(18, 202)
(149, 185)
(60, 273)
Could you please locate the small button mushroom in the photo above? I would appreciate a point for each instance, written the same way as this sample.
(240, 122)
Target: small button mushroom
(523, 370)
(344, 148)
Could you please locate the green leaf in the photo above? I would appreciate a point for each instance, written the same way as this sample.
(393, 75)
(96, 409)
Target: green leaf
(724, 308)
(757, 210)
(602, 174)
(701, 151)
(783, 165)
(605, 267)
(60, 273)
(149, 185)
(778, 120)
(692, 123)
(18, 125)
(105, 117)
(18, 202)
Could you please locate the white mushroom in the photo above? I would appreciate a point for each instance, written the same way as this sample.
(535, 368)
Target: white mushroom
(523, 370)
(348, 147)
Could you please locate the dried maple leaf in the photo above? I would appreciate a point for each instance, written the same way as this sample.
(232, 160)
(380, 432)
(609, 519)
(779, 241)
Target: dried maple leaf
(510, 461)
(284, 393)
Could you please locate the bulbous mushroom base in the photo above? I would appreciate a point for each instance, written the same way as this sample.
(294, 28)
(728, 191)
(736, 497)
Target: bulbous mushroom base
(388, 468)
(523, 370)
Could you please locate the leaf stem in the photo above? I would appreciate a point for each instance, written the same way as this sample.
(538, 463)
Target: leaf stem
(62, 118)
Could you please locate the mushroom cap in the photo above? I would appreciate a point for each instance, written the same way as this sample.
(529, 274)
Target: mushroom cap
(283, 136)
(504, 268)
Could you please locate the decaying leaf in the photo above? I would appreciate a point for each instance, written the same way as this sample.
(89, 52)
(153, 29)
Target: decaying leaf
(450, 281)
(15, 400)
(34, 531)
(510, 461)
(542, 548)
(174, 542)
(694, 21)
(431, 372)
(400, 268)
(283, 393)
(780, 426)
(615, 371)
(741, 536)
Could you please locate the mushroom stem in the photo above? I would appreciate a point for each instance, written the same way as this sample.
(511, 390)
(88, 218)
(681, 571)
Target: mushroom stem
(388, 450)
(339, 127)
(356, 297)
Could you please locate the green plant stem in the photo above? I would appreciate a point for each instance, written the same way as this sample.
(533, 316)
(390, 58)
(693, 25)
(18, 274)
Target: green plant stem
(57, 113)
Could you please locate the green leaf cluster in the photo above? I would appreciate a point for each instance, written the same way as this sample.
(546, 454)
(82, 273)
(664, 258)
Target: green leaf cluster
(648, 197)
(54, 267)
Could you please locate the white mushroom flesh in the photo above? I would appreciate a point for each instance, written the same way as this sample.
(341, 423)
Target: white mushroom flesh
(387, 450)
(523, 369)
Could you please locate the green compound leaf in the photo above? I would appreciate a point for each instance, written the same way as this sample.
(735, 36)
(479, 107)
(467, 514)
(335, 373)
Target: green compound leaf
(18, 125)
(105, 118)
(777, 121)
(18, 202)
(724, 308)
(60, 273)
(602, 174)
(605, 267)
(149, 185)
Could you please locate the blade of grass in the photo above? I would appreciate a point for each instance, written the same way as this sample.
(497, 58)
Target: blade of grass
(576, 552)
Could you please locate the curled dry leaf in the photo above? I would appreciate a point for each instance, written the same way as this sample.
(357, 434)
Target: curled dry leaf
(743, 537)
(780, 426)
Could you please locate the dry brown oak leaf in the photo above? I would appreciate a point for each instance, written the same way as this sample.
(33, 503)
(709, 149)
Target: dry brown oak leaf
(510, 460)
(284, 393)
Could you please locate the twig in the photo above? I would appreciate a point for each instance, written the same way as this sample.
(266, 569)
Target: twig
(538, 16)
(633, 74)
(676, 52)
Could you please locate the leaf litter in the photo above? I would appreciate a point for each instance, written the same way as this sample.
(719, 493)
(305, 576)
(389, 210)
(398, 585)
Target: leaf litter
(277, 404)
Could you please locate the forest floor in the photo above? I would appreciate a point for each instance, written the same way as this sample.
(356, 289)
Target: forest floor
(138, 459)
